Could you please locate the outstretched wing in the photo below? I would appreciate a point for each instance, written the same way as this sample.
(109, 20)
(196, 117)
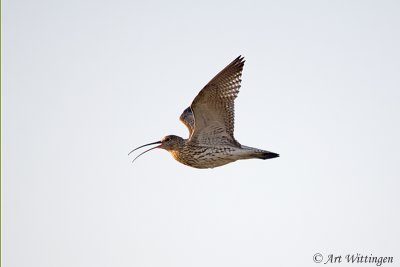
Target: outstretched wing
(188, 119)
(213, 107)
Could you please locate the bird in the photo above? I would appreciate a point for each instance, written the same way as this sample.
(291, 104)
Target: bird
(210, 121)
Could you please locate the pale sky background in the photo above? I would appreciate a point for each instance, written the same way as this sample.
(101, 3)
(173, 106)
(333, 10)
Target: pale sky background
(84, 82)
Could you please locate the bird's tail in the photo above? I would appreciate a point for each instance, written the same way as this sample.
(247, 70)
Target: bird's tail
(266, 155)
(260, 154)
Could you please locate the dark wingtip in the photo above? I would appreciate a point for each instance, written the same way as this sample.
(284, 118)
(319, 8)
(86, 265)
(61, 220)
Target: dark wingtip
(239, 61)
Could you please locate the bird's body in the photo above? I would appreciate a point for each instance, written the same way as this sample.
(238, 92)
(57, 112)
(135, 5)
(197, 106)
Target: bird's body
(210, 121)
(210, 156)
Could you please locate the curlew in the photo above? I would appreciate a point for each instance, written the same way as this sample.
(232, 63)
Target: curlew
(210, 121)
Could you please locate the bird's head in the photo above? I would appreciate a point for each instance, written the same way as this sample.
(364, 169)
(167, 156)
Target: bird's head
(169, 143)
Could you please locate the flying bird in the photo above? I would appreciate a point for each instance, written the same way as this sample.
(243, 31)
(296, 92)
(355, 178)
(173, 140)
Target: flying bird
(210, 121)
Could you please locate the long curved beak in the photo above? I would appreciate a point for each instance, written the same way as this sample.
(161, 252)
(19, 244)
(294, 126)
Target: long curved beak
(154, 143)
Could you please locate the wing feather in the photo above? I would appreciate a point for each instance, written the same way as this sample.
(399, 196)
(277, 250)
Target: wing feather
(188, 119)
(213, 108)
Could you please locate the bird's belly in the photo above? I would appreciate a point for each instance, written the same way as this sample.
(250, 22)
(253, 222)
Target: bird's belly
(205, 157)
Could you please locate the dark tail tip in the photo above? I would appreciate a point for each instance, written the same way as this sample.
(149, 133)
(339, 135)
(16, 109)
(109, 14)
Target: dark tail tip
(268, 155)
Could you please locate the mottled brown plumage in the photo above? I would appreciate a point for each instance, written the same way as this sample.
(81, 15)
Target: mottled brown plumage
(210, 121)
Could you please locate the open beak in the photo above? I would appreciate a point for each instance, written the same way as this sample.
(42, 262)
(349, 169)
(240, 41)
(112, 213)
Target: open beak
(154, 143)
